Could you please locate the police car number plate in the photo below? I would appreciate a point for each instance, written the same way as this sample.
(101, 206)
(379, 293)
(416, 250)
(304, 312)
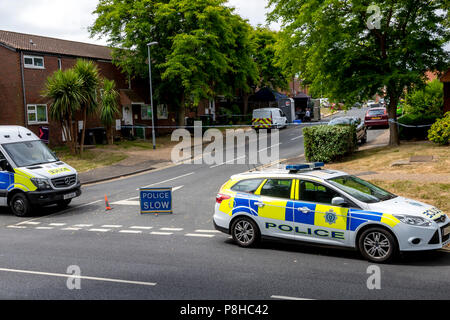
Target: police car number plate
(446, 230)
(70, 195)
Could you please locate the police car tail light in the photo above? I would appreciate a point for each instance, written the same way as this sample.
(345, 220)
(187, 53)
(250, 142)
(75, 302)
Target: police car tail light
(220, 197)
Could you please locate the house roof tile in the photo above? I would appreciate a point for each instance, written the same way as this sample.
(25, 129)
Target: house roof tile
(41, 44)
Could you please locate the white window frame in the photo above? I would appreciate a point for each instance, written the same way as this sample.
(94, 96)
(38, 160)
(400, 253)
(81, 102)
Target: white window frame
(32, 66)
(36, 114)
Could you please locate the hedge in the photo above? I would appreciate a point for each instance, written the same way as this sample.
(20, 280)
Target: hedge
(440, 131)
(415, 133)
(329, 143)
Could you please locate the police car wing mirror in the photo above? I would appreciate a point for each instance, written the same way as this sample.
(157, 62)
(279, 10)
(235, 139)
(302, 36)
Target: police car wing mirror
(338, 201)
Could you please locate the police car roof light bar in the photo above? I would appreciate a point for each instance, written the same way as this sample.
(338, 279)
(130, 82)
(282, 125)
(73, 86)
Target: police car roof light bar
(304, 166)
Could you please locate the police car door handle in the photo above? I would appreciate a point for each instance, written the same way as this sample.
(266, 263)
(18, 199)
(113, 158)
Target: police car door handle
(304, 209)
(259, 204)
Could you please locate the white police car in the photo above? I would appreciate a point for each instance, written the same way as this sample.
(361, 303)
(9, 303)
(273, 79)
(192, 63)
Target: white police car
(307, 203)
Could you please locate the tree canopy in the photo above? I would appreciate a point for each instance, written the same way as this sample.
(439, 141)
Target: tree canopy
(203, 50)
(354, 49)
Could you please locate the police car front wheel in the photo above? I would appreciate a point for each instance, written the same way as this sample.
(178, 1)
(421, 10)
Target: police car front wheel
(245, 232)
(377, 245)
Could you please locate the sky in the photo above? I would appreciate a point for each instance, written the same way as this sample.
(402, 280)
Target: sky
(70, 19)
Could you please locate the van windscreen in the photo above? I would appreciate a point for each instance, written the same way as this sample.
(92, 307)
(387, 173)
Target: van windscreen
(29, 153)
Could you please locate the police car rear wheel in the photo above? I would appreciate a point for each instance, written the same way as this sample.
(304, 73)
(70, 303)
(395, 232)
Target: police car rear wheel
(377, 245)
(20, 205)
(245, 232)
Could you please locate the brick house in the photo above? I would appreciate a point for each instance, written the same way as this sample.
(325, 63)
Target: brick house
(445, 79)
(27, 60)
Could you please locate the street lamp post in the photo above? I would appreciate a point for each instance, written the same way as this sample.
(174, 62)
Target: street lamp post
(151, 91)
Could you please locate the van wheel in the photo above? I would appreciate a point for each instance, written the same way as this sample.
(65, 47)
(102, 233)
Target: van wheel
(20, 205)
(245, 232)
(377, 245)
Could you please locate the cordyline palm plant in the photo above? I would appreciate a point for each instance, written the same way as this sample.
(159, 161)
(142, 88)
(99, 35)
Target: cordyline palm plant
(109, 107)
(88, 73)
(64, 89)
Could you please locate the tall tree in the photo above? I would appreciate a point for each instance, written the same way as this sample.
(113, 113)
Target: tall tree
(65, 90)
(355, 48)
(88, 73)
(202, 46)
(109, 107)
(271, 72)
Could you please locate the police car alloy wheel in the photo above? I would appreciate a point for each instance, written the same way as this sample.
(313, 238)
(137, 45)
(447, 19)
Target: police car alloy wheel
(377, 245)
(20, 205)
(245, 232)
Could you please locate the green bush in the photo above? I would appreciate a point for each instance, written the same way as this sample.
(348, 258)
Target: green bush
(329, 143)
(426, 101)
(440, 131)
(415, 133)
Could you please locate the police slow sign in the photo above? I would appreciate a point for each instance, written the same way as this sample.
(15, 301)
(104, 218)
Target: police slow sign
(156, 200)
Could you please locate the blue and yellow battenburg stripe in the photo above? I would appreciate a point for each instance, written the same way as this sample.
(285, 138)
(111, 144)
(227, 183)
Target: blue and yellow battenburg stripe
(316, 215)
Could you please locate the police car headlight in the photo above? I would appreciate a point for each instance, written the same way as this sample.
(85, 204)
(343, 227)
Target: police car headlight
(41, 184)
(412, 220)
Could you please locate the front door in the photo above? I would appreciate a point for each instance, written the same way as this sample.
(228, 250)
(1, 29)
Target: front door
(315, 218)
(5, 181)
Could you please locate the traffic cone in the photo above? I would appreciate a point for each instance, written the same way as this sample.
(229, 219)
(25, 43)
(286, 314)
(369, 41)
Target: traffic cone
(107, 203)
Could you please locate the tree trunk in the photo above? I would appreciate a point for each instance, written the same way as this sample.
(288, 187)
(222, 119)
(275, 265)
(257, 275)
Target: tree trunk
(83, 131)
(394, 139)
(70, 138)
(246, 95)
(182, 112)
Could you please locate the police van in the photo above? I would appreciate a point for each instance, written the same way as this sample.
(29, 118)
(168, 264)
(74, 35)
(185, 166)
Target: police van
(308, 203)
(31, 175)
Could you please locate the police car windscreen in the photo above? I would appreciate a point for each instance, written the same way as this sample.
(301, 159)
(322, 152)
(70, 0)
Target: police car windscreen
(362, 190)
(29, 153)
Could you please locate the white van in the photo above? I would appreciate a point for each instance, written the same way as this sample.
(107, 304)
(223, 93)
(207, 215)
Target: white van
(31, 175)
(268, 118)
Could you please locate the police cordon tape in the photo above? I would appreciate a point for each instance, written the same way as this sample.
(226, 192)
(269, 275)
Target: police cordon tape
(219, 126)
(408, 125)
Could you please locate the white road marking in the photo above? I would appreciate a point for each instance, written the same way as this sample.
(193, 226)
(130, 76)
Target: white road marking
(44, 228)
(207, 231)
(296, 138)
(127, 203)
(179, 177)
(270, 147)
(112, 226)
(199, 235)
(130, 231)
(229, 161)
(78, 277)
(71, 229)
(171, 229)
(57, 224)
(16, 227)
(140, 227)
(288, 298)
(99, 230)
(161, 233)
(29, 222)
(83, 225)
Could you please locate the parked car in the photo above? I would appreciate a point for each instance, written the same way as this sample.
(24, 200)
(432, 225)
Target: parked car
(268, 118)
(376, 117)
(361, 129)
